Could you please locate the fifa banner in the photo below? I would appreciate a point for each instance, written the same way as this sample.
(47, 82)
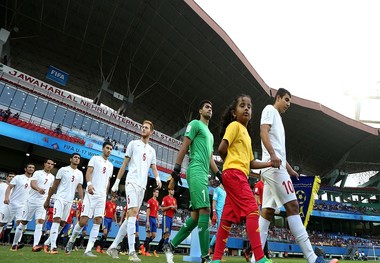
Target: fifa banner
(305, 188)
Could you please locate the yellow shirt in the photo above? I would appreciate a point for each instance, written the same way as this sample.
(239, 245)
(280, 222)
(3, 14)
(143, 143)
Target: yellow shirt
(239, 153)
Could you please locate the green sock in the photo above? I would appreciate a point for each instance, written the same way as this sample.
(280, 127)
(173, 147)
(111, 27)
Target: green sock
(184, 232)
(263, 260)
(204, 234)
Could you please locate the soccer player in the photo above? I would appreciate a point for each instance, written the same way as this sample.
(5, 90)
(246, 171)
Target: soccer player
(49, 223)
(124, 243)
(218, 200)
(140, 156)
(236, 151)
(68, 180)
(278, 188)
(168, 207)
(67, 227)
(3, 188)
(20, 187)
(40, 183)
(83, 234)
(99, 171)
(109, 217)
(151, 223)
(199, 140)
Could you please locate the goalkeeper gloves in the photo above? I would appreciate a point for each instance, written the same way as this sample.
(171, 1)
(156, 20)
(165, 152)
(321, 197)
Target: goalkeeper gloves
(175, 177)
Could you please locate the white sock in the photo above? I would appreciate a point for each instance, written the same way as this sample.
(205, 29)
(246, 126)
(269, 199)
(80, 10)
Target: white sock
(60, 229)
(302, 238)
(93, 236)
(54, 235)
(120, 234)
(1, 229)
(47, 241)
(22, 232)
(264, 227)
(18, 234)
(131, 233)
(37, 234)
(77, 229)
(253, 258)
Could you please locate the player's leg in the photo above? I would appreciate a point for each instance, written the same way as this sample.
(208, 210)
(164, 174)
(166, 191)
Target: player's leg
(23, 215)
(284, 194)
(97, 207)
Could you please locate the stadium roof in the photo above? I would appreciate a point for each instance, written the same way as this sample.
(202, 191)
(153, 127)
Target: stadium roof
(165, 57)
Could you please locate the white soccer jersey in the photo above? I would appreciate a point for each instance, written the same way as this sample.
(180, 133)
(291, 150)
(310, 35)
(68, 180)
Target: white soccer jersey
(102, 172)
(20, 190)
(142, 156)
(43, 180)
(3, 188)
(70, 179)
(272, 117)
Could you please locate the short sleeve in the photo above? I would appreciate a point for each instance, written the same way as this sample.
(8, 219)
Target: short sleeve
(231, 132)
(215, 195)
(59, 174)
(80, 181)
(129, 151)
(192, 129)
(154, 157)
(91, 163)
(267, 115)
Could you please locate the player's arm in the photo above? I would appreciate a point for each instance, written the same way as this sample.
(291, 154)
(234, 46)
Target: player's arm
(291, 171)
(108, 185)
(34, 186)
(264, 134)
(164, 208)
(7, 193)
(52, 190)
(77, 211)
(214, 205)
(183, 150)
(147, 225)
(80, 191)
(156, 175)
(120, 174)
(176, 174)
(215, 169)
(115, 216)
(90, 187)
(214, 215)
(257, 198)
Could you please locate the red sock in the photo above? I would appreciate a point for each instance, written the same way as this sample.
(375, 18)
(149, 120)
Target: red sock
(221, 239)
(253, 232)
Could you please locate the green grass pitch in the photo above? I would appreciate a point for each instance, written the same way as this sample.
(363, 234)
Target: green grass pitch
(26, 255)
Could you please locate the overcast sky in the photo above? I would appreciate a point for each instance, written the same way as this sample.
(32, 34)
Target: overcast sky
(326, 51)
